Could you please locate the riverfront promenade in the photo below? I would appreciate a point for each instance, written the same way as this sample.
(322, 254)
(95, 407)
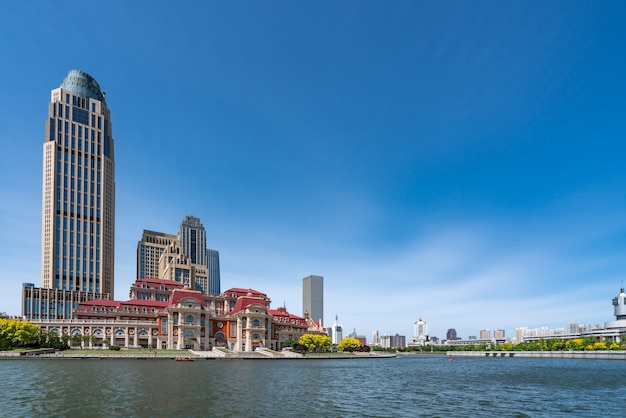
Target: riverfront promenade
(587, 355)
(261, 354)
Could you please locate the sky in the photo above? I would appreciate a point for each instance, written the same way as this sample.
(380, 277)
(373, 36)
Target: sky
(459, 162)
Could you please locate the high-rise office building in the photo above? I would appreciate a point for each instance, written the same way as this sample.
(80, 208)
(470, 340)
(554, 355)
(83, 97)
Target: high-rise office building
(188, 260)
(149, 250)
(192, 238)
(313, 298)
(78, 202)
(78, 209)
(214, 272)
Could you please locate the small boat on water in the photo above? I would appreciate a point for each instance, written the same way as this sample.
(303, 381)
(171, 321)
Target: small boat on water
(179, 358)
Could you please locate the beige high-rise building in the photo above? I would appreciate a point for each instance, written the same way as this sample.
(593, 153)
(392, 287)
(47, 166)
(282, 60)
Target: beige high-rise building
(149, 250)
(183, 258)
(78, 209)
(175, 266)
(313, 298)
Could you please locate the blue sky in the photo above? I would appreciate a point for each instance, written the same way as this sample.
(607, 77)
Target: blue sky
(462, 162)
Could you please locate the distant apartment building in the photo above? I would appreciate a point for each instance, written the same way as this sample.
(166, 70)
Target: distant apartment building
(336, 331)
(612, 330)
(375, 338)
(485, 334)
(451, 334)
(393, 341)
(313, 298)
(573, 328)
(498, 334)
(420, 333)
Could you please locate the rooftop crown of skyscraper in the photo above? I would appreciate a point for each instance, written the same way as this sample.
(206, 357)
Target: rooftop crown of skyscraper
(82, 84)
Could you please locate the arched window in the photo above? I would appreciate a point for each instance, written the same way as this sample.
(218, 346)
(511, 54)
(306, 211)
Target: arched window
(189, 318)
(190, 334)
(256, 323)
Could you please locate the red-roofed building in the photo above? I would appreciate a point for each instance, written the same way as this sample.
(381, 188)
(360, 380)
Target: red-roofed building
(164, 314)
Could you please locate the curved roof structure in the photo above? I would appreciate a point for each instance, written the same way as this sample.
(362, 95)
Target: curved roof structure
(82, 84)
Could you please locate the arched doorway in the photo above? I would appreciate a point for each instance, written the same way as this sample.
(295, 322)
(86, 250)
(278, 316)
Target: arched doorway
(220, 340)
(190, 340)
(98, 337)
(120, 338)
(142, 338)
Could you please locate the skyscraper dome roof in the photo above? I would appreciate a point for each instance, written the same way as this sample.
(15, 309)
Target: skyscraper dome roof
(82, 84)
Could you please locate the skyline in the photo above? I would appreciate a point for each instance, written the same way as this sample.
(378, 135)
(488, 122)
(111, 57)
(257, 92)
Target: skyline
(457, 163)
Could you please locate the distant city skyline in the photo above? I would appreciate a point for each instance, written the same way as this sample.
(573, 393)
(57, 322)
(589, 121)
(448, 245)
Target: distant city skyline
(456, 162)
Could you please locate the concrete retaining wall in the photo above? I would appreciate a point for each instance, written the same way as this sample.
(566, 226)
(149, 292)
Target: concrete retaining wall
(588, 355)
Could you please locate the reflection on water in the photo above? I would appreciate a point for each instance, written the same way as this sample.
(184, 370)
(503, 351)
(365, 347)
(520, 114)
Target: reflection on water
(405, 386)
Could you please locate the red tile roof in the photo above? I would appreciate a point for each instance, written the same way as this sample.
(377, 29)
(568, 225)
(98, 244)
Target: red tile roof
(244, 301)
(243, 292)
(150, 280)
(178, 294)
(281, 313)
(140, 302)
(101, 302)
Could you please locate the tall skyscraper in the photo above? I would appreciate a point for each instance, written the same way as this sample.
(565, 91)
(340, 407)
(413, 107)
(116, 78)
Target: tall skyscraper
(313, 298)
(192, 238)
(214, 272)
(78, 209)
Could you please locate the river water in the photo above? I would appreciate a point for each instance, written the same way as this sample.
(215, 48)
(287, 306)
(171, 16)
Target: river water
(406, 386)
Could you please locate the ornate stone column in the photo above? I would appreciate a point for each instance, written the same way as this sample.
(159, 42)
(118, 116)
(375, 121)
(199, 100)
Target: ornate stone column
(248, 336)
(239, 332)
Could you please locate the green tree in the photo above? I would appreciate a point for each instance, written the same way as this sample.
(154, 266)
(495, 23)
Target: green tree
(505, 347)
(315, 342)
(575, 344)
(77, 339)
(600, 345)
(289, 343)
(349, 344)
(15, 333)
